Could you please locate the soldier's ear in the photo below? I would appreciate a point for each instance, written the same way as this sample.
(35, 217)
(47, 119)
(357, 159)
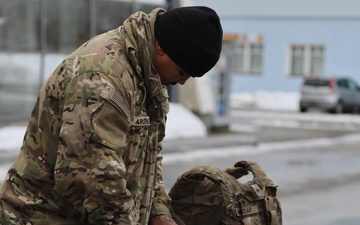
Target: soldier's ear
(158, 49)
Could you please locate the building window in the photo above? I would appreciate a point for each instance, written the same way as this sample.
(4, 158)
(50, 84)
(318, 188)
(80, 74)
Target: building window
(306, 60)
(256, 52)
(238, 57)
(246, 53)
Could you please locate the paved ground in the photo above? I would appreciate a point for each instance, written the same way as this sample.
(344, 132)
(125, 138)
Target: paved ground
(317, 184)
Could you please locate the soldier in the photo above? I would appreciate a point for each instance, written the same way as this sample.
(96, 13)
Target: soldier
(92, 149)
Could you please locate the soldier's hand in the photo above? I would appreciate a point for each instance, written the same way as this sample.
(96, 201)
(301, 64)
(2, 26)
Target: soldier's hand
(162, 220)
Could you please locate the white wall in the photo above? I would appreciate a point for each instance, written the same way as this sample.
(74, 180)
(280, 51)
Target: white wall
(293, 8)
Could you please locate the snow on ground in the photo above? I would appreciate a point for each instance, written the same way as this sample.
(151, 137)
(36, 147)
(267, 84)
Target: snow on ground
(11, 136)
(276, 100)
(182, 124)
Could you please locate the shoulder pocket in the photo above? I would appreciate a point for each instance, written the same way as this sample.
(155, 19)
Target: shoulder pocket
(116, 100)
(112, 121)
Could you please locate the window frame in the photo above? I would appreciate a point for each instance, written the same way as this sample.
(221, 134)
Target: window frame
(311, 54)
(247, 51)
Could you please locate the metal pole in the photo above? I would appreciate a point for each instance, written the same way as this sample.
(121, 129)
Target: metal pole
(133, 6)
(172, 90)
(43, 40)
(92, 18)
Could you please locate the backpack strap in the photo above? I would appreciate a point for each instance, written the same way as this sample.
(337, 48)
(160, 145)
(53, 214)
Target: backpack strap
(244, 204)
(230, 187)
(261, 188)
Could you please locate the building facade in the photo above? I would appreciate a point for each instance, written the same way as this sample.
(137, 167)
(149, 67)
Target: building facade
(274, 44)
(268, 45)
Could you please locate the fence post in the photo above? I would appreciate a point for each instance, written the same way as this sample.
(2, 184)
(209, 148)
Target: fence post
(43, 40)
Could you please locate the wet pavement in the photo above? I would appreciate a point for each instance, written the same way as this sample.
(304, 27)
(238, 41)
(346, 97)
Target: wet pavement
(318, 183)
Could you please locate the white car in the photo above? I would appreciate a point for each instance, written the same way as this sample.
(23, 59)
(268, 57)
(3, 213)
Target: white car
(333, 94)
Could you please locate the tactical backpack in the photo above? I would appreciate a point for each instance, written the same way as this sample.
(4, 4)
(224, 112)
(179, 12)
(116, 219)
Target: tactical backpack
(206, 195)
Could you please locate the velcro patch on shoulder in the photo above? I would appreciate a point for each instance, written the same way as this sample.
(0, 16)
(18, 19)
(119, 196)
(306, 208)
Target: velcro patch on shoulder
(141, 121)
(248, 210)
(257, 190)
(116, 99)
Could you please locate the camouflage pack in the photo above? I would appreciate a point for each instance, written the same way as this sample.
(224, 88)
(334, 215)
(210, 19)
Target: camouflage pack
(212, 196)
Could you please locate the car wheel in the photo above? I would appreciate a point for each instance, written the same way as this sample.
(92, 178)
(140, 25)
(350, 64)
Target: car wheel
(356, 110)
(338, 108)
(303, 109)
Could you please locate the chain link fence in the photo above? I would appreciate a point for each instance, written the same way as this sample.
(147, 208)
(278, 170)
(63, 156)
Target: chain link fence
(35, 36)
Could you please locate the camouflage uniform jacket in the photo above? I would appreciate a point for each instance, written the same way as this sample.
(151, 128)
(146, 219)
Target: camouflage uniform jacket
(92, 150)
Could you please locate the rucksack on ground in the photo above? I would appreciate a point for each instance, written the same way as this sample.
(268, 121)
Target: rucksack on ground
(206, 195)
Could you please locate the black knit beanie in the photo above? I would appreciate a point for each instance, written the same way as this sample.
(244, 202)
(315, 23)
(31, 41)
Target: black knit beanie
(191, 37)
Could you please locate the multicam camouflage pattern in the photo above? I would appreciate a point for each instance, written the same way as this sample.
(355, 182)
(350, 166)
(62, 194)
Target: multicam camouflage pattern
(209, 195)
(92, 150)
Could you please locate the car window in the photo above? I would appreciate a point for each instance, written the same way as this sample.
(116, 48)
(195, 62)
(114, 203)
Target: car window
(342, 84)
(317, 83)
(352, 85)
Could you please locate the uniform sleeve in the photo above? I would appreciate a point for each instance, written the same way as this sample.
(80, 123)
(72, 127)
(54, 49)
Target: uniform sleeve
(89, 171)
(161, 201)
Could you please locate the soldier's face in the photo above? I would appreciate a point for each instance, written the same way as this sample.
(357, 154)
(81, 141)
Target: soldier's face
(169, 72)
